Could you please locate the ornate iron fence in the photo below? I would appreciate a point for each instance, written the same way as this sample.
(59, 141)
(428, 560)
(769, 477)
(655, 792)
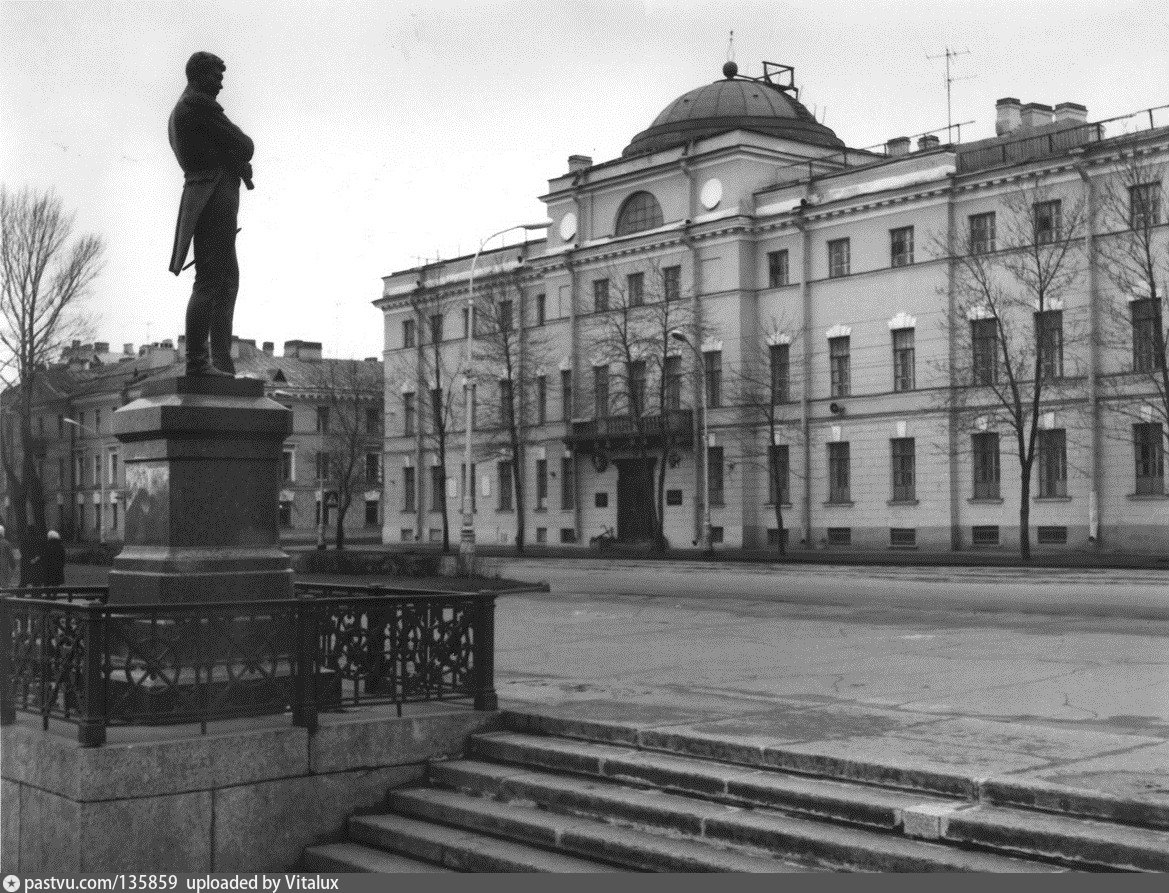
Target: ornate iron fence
(69, 655)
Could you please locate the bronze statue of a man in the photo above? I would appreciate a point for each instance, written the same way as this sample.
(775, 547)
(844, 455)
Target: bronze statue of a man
(215, 156)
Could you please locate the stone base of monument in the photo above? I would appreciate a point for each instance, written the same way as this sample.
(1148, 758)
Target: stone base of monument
(202, 459)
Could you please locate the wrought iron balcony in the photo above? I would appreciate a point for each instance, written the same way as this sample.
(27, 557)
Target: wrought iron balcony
(623, 431)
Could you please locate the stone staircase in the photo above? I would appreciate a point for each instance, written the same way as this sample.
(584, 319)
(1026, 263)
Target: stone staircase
(554, 795)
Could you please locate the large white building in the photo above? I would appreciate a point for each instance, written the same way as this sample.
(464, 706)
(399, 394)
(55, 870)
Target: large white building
(839, 286)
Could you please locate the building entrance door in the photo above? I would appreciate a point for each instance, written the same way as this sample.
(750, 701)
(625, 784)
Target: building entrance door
(634, 499)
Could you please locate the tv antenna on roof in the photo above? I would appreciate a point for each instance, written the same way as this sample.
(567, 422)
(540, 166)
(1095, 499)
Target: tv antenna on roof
(949, 54)
(731, 47)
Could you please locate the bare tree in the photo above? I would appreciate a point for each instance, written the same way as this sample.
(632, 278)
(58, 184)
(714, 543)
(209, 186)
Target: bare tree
(351, 391)
(762, 388)
(433, 368)
(644, 308)
(1011, 273)
(1134, 257)
(45, 274)
(505, 346)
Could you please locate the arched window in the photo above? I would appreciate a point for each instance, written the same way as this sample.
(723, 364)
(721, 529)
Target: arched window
(640, 211)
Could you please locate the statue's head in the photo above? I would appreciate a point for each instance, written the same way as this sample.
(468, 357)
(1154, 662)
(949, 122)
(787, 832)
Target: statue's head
(205, 72)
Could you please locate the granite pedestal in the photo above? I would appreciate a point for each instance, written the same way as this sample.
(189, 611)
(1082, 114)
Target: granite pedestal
(203, 465)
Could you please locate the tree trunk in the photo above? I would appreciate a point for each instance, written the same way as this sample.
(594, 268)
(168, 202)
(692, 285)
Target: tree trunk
(342, 510)
(517, 483)
(1025, 514)
(778, 499)
(660, 501)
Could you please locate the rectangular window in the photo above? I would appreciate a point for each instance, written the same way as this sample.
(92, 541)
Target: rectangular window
(541, 535)
(436, 328)
(1046, 218)
(637, 388)
(673, 373)
(1051, 536)
(838, 258)
(839, 536)
(601, 500)
(777, 474)
(371, 513)
(985, 448)
(1053, 464)
(504, 310)
(541, 399)
(409, 489)
(112, 468)
(567, 484)
(981, 233)
(1144, 204)
(904, 469)
(984, 341)
(1049, 343)
(506, 404)
(903, 360)
(1148, 335)
(436, 409)
(636, 288)
(372, 421)
(541, 309)
(463, 485)
(716, 534)
(714, 377)
(322, 420)
(778, 271)
(566, 394)
(779, 357)
(600, 295)
(1149, 455)
(373, 468)
(466, 314)
(902, 537)
(96, 470)
(672, 283)
(567, 535)
(79, 469)
(714, 467)
(601, 391)
(285, 514)
(901, 246)
(838, 358)
(985, 535)
(505, 485)
(773, 536)
(541, 484)
(673, 497)
(408, 337)
(437, 488)
(838, 472)
(408, 413)
(322, 465)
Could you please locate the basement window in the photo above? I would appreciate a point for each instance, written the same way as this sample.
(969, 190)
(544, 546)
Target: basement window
(985, 535)
(1053, 535)
(840, 536)
(902, 537)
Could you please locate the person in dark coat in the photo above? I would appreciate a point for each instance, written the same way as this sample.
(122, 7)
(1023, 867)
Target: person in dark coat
(33, 570)
(215, 156)
(54, 560)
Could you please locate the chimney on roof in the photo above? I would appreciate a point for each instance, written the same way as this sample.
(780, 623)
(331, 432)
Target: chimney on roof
(101, 347)
(1071, 113)
(578, 163)
(128, 348)
(167, 343)
(76, 343)
(899, 145)
(269, 348)
(927, 142)
(1008, 115)
(1036, 114)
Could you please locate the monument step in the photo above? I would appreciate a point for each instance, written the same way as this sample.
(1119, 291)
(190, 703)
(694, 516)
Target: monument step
(458, 849)
(1009, 791)
(794, 839)
(349, 857)
(598, 841)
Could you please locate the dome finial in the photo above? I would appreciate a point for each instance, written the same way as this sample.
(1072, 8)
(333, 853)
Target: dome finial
(730, 69)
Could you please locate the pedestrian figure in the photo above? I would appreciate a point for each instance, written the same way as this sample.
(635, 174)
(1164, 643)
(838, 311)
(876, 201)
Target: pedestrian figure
(34, 568)
(54, 560)
(215, 156)
(9, 561)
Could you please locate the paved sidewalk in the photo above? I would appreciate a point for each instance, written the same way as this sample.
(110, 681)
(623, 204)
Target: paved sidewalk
(1063, 707)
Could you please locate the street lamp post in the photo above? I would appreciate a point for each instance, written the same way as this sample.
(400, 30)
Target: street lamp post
(707, 544)
(101, 477)
(467, 534)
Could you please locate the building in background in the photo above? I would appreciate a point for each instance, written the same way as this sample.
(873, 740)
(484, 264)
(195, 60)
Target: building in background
(828, 304)
(84, 478)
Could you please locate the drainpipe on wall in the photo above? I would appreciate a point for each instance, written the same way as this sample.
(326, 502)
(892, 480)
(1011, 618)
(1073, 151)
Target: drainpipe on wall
(1093, 353)
(698, 380)
(952, 360)
(573, 349)
(801, 224)
(419, 396)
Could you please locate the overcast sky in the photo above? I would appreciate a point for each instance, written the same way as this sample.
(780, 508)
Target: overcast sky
(390, 133)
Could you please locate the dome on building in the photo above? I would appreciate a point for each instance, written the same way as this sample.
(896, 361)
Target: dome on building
(733, 103)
